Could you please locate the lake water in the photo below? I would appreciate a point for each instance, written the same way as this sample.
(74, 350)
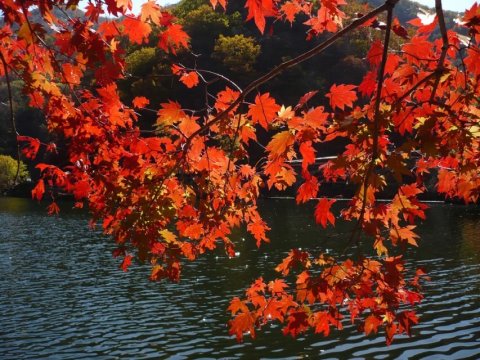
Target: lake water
(62, 295)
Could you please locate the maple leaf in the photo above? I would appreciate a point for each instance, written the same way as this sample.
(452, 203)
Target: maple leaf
(308, 154)
(369, 84)
(30, 149)
(53, 209)
(190, 79)
(127, 261)
(280, 143)
(371, 324)
(150, 10)
(290, 9)
(322, 324)
(297, 323)
(258, 230)
(136, 30)
(305, 98)
(173, 38)
(125, 4)
(399, 29)
(323, 215)
(405, 233)
(243, 323)
(168, 236)
(72, 73)
(374, 55)
(341, 96)
(472, 61)
(38, 190)
(170, 113)
(225, 98)
(277, 286)
(223, 3)
(264, 110)
(406, 319)
(307, 190)
(140, 102)
(259, 10)
(237, 305)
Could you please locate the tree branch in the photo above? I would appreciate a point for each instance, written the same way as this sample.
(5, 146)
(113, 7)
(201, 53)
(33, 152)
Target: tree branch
(441, 60)
(376, 118)
(12, 118)
(293, 62)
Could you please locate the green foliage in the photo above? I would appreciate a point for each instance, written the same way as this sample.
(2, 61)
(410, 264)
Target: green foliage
(238, 53)
(205, 19)
(8, 171)
(140, 62)
(184, 7)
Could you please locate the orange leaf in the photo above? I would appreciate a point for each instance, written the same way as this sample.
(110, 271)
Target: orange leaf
(38, 190)
(308, 153)
(405, 234)
(341, 96)
(170, 113)
(136, 30)
(140, 102)
(264, 110)
(173, 38)
(243, 323)
(258, 230)
(371, 324)
(323, 215)
(307, 190)
(259, 10)
(190, 79)
(277, 286)
(374, 55)
(150, 10)
(280, 143)
(127, 261)
(290, 9)
(72, 73)
(223, 3)
(237, 305)
(53, 209)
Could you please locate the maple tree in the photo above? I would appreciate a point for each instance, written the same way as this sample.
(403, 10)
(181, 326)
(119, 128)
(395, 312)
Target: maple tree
(171, 194)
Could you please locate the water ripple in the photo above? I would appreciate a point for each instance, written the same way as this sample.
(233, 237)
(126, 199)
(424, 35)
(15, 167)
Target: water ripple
(63, 296)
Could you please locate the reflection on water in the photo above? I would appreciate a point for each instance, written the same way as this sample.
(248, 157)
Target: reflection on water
(63, 297)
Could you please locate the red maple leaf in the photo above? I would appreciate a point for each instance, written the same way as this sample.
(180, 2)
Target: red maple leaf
(173, 38)
(140, 102)
(341, 96)
(323, 215)
(264, 110)
(136, 30)
(259, 10)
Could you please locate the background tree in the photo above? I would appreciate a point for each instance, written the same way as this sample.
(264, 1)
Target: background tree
(8, 173)
(238, 53)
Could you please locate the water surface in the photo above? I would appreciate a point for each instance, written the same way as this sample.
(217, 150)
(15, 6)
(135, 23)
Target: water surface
(62, 295)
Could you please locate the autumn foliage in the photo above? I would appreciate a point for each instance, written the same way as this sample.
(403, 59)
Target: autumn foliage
(172, 194)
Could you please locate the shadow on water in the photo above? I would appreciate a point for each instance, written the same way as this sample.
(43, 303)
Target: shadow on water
(63, 296)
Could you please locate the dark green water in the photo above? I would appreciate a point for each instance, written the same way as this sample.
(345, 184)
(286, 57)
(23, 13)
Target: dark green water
(62, 295)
